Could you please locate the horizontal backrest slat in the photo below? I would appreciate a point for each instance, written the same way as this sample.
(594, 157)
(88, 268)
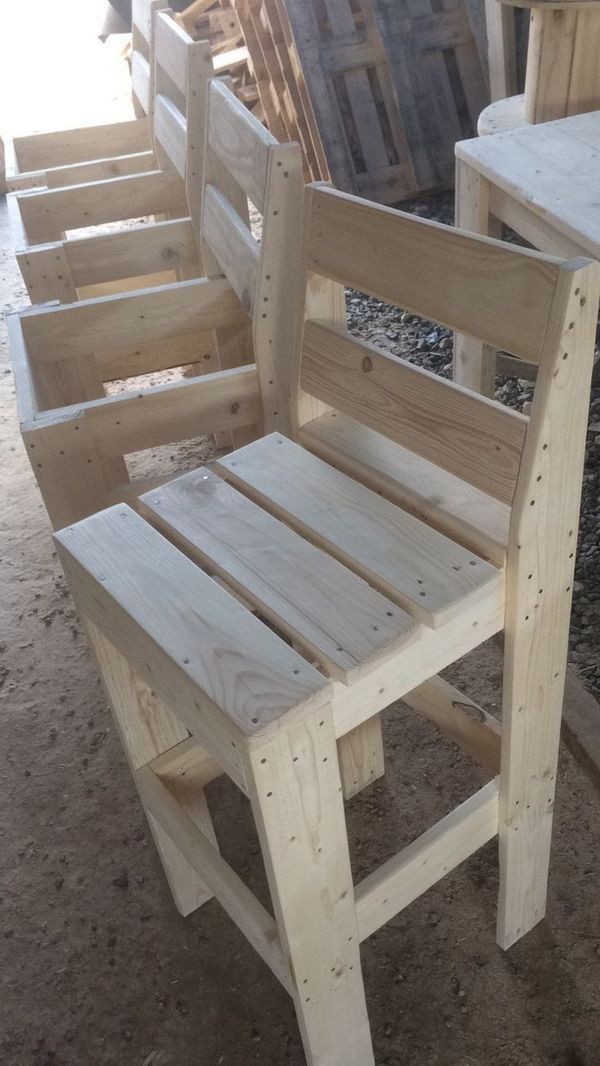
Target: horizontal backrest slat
(140, 79)
(232, 244)
(170, 130)
(470, 436)
(109, 322)
(239, 141)
(142, 12)
(484, 288)
(170, 50)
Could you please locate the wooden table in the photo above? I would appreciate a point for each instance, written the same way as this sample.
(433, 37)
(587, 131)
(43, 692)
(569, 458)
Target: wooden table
(544, 182)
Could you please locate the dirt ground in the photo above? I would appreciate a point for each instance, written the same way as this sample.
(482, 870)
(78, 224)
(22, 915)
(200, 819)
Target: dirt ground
(98, 969)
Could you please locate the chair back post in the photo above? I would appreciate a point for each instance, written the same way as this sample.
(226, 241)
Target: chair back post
(539, 580)
(244, 163)
(143, 14)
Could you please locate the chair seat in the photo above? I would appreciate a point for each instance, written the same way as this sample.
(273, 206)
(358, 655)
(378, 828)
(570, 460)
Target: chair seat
(552, 169)
(467, 515)
(346, 575)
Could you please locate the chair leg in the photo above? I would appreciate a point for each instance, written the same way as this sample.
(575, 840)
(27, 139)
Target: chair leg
(531, 716)
(474, 362)
(148, 729)
(361, 757)
(295, 791)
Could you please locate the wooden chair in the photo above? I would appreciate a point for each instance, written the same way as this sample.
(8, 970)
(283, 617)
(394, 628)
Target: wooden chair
(562, 74)
(94, 153)
(76, 436)
(41, 216)
(409, 521)
(150, 253)
(540, 180)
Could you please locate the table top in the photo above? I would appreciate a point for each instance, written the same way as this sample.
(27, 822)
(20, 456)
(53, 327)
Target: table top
(553, 168)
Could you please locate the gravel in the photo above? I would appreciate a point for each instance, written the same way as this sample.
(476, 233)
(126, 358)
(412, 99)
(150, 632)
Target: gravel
(428, 345)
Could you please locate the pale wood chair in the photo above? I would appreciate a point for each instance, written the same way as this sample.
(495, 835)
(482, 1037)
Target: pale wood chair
(408, 521)
(149, 253)
(562, 73)
(42, 216)
(94, 153)
(77, 437)
(541, 181)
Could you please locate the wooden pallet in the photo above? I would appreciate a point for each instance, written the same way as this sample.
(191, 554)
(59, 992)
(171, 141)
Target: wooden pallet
(377, 93)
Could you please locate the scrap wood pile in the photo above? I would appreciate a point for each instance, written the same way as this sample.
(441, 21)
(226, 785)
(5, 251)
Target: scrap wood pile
(376, 96)
(218, 23)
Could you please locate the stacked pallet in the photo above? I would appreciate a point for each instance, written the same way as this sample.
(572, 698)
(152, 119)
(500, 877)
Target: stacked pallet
(218, 23)
(376, 91)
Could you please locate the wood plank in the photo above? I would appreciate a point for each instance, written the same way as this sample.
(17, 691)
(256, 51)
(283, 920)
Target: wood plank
(185, 349)
(418, 568)
(460, 719)
(539, 589)
(236, 899)
(47, 214)
(405, 877)
(468, 435)
(175, 411)
(41, 150)
(129, 253)
(171, 43)
(240, 142)
(140, 79)
(466, 515)
(170, 130)
(146, 727)
(232, 244)
(313, 599)
(391, 255)
(144, 316)
(295, 792)
(223, 672)
(117, 166)
(361, 757)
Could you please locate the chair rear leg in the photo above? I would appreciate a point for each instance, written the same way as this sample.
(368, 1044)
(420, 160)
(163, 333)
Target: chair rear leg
(147, 730)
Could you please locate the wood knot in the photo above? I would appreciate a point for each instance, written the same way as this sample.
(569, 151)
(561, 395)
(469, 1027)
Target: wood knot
(234, 408)
(367, 364)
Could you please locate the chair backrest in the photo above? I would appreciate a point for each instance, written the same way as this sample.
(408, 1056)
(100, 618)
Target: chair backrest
(240, 162)
(142, 65)
(529, 304)
(182, 68)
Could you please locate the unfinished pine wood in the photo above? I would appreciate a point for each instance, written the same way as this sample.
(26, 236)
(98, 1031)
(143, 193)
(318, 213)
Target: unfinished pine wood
(361, 757)
(342, 622)
(542, 542)
(295, 792)
(147, 315)
(459, 718)
(477, 440)
(241, 905)
(389, 889)
(416, 566)
(147, 729)
(470, 517)
(412, 263)
(46, 215)
(43, 150)
(114, 550)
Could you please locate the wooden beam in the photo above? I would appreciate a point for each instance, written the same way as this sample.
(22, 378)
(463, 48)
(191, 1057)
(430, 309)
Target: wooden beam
(460, 719)
(388, 890)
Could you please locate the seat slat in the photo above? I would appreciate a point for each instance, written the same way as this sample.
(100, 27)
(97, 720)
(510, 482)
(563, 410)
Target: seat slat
(417, 567)
(311, 597)
(180, 628)
(470, 436)
(462, 512)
